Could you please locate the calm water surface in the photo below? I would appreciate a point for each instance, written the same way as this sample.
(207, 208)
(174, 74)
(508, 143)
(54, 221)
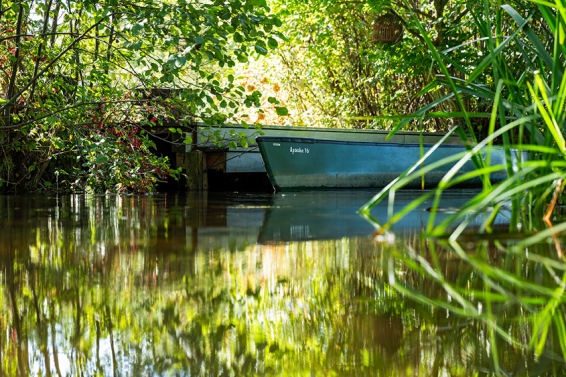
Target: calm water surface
(260, 285)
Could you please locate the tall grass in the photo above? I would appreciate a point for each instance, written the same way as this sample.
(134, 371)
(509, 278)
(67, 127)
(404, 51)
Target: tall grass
(527, 114)
(522, 76)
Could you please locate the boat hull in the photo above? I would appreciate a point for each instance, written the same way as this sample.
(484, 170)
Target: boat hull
(304, 163)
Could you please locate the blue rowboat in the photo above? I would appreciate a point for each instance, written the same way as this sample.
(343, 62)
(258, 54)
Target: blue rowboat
(294, 163)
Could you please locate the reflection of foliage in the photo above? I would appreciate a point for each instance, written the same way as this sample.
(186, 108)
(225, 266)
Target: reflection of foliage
(131, 285)
(514, 299)
(105, 282)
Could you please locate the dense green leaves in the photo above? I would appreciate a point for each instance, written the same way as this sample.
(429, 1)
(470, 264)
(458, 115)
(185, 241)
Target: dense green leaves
(336, 73)
(99, 68)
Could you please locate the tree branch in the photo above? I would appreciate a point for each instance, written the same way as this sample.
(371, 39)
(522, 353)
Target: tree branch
(13, 98)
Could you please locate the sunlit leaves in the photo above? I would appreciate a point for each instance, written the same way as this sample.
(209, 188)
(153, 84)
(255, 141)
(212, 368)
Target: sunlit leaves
(339, 71)
(77, 52)
(134, 46)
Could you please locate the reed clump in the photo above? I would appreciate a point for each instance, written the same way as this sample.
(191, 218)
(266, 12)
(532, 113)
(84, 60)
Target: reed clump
(521, 77)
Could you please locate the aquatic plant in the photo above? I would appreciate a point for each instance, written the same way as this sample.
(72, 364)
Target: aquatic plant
(527, 113)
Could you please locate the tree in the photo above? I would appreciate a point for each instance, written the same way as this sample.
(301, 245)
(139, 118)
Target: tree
(340, 75)
(80, 78)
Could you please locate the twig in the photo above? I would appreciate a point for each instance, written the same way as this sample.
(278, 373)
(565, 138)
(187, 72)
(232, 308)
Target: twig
(546, 218)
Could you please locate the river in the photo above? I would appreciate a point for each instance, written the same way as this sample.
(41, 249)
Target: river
(295, 284)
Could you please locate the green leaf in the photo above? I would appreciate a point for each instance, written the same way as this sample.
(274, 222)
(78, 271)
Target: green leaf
(180, 61)
(272, 43)
(260, 49)
(238, 38)
(137, 29)
(101, 159)
(135, 46)
(58, 144)
(281, 111)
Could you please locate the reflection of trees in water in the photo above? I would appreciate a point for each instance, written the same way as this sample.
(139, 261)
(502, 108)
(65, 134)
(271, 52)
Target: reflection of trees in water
(113, 285)
(109, 285)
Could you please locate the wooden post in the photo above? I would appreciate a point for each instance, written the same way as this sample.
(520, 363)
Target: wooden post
(195, 164)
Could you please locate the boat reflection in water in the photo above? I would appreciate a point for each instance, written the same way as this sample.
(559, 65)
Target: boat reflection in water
(325, 215)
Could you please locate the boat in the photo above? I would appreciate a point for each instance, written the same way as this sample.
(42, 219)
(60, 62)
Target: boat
(294, 163)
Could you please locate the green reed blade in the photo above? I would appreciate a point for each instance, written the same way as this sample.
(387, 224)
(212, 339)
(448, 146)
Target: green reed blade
(548, 116)
(533, 38)
(560, 326)
(378, 197)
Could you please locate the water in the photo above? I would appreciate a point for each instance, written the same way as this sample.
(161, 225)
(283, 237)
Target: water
(263, 285)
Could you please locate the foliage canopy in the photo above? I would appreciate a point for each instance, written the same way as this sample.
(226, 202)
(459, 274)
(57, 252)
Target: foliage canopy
(339, 75)
(79, 82)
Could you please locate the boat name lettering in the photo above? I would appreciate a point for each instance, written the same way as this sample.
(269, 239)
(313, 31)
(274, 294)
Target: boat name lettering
(299, 150)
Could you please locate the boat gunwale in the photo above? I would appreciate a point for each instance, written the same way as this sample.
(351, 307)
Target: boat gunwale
(306, 140)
